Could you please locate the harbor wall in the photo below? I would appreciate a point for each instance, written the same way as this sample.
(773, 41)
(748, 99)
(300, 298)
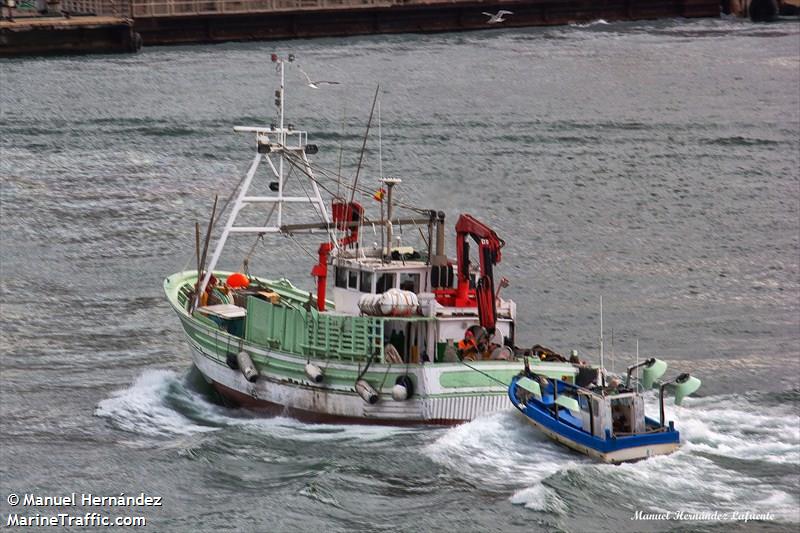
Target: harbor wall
(77, 35)
(191, 21)
(124, 25)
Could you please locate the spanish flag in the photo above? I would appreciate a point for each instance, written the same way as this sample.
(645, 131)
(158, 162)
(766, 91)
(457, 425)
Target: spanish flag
(379, 194)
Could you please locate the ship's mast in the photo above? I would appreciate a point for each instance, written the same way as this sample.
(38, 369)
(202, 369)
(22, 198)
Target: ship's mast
(282, 142)
(281, 94)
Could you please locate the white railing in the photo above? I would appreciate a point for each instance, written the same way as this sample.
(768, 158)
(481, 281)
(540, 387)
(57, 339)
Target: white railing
(116, 8)
(166, 8)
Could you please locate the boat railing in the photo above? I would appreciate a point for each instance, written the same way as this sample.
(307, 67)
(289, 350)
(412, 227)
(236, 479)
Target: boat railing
(265, 136)
(659, 429)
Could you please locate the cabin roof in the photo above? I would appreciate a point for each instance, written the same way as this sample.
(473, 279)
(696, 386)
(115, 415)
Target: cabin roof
(375, 263)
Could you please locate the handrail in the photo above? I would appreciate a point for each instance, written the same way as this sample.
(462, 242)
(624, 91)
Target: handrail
(115, 8)
(169, 8)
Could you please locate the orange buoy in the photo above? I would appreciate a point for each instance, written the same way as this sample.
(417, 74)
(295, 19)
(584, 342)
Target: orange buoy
(237, 280)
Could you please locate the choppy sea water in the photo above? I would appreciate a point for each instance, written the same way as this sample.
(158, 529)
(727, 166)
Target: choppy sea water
(655, 164)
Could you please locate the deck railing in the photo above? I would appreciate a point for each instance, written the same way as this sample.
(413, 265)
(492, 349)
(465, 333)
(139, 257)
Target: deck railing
(166, 8)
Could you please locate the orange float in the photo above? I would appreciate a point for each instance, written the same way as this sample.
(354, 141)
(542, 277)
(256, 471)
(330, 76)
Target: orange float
(237, 280)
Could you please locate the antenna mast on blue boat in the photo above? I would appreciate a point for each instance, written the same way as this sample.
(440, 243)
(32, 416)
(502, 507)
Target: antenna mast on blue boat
(637, 365)
(602, 366)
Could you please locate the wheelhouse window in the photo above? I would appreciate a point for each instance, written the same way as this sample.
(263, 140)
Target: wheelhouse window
(409, 282)
(341, 277)
(385, 282)
(352, 279)
(366, 281)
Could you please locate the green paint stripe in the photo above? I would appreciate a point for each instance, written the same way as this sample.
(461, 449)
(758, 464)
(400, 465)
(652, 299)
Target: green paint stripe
(470, 378)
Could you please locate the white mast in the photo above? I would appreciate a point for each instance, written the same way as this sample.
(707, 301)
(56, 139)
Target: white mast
(602, 366)
(282, 142)
(637, 365)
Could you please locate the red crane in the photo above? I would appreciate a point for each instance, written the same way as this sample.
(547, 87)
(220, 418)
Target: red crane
(344, 214)
(483, 295)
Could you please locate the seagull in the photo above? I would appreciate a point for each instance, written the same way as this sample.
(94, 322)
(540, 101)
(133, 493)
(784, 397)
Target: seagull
(494, 19)
(316, 84)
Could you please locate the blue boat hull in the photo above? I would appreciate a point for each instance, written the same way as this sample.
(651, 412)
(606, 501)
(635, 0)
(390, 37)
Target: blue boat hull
(614, 449)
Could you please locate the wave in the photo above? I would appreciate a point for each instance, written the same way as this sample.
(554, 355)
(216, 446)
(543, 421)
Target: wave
(730, 442)
(740, 452)
(145, 408)
(598, 22)
(162, 403)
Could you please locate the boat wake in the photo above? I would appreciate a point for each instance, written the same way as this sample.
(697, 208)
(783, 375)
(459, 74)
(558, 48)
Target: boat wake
(163, 403)
(157, 404)
(737, 456)
(740, 453)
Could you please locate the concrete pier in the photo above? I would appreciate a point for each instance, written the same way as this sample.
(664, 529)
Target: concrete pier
(124, 25)
(190, 21)
(76, 35)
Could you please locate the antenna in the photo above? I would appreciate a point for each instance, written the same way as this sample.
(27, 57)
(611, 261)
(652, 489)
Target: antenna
(637, 365)
(602, 366)
(364, 145)
(341, 149)
(380, 174)
(380, 152)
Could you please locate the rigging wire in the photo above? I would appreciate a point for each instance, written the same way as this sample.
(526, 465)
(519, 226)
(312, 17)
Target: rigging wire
(327, 173)
(222, 210)
(364, 145)
(341, 151)
(303, 248)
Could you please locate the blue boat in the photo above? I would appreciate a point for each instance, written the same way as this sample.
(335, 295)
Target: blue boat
(606, 421)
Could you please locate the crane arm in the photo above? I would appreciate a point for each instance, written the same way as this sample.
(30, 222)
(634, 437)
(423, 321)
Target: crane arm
(489, 245)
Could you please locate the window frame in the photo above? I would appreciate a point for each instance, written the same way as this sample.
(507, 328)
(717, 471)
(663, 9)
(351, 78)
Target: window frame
(340, 277)
(365, 281)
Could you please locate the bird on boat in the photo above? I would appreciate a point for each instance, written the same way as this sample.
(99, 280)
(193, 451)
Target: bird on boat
(497, 17)
(315, 84)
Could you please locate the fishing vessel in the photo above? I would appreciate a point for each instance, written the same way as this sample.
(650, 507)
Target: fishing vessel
(405, 336)
(606, 421)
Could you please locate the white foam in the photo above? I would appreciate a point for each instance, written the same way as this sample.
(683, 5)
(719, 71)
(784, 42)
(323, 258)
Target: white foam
(141, 408)
(501, 451)
(290, 429)
(731, 426)
(598, 22)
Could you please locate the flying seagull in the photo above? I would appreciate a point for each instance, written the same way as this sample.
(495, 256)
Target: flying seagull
(494, 19)
(316, 84)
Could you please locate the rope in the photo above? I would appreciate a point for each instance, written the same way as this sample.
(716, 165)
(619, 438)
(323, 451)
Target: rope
(333, 176)
(385, 375)
(485, 374)
(369, 362)
(219, 213)
(300, 246)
